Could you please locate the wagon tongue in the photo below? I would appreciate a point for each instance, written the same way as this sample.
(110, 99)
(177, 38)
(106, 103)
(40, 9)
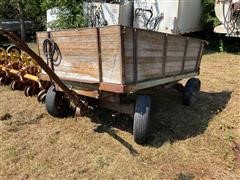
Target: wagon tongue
(81, 107)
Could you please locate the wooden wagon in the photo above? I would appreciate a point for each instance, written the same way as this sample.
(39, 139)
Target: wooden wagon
(105, 65)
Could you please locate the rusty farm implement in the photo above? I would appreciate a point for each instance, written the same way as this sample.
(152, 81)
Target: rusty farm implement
(21, 72)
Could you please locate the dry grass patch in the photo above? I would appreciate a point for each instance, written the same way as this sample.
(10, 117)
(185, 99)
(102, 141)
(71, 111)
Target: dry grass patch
(186, 142)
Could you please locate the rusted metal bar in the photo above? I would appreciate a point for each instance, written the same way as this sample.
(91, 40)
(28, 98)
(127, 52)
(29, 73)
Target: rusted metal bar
(23, 46)
(117, 88)
(122, 34)
(99, 55)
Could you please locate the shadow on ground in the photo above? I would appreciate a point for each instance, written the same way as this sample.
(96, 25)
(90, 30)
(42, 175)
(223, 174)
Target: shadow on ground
(170, 120)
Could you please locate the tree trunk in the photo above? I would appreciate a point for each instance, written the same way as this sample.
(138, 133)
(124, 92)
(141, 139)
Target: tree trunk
(21, 19)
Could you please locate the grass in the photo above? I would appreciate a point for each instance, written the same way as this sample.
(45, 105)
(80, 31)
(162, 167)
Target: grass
(185, 142)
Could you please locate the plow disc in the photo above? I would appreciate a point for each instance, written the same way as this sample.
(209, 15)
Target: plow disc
(21, 72)
(16, 85)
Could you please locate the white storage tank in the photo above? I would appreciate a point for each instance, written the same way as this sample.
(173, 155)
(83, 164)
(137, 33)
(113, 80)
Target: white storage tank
(103, 14)
(169, 16)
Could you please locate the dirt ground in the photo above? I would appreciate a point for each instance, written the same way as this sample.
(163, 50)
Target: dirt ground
(185, 143)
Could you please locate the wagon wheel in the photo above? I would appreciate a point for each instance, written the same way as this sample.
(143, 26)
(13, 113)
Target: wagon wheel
(191, 91)
(57, 105)
(179, 87)
(141, 119)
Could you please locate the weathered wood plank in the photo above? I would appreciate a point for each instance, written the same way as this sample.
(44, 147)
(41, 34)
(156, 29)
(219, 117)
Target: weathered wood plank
(173, 67)
(79, 53)
(110, 38)
(160, 81)
(149, 56)
(128, 49)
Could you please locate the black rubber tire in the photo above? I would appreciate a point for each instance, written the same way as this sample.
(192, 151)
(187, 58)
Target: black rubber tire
(56, 104)
(179, 87)
(141, 119)
(191, 91)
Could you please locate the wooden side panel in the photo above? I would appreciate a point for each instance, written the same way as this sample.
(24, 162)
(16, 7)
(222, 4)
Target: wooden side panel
(192, 55)
(175, 53)
(149, 55)
(111, 55)
(133, 57)
(158, 55)
(79, 51)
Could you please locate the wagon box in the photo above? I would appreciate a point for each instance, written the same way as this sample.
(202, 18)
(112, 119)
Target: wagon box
(113, 67)
(122, 59)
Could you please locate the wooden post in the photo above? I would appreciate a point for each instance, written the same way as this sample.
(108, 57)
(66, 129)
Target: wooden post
(165, 47)
(99, 55)
(21, 19)
(135, 63)
(184, 55)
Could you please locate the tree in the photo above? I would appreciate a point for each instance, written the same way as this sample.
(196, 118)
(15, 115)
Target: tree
(6, 10)
(70, 14)
(209, 19)
(19, 5)
(23, 10)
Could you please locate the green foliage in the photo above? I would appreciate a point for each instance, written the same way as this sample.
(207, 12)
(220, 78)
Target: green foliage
(209, 19)
(70, 14)
(221, 43)
(217, 42)
(36, 14)
(32, 11)
(6, 10)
